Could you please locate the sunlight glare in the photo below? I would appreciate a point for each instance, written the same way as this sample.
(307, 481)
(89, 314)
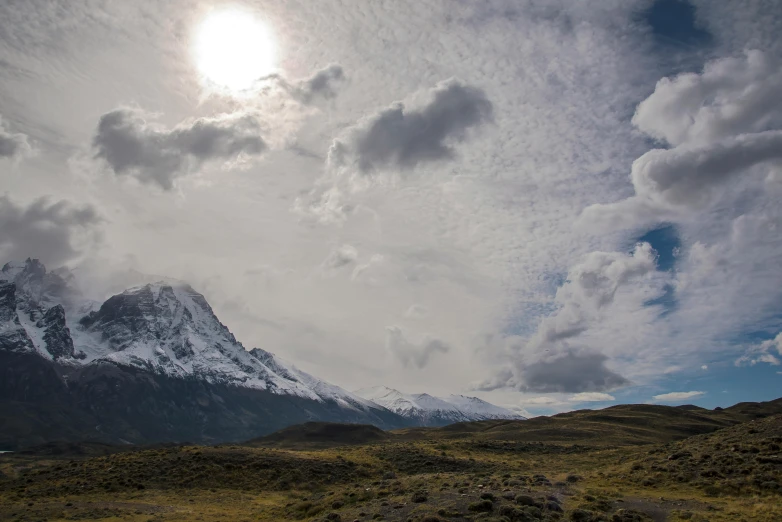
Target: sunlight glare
(233, 49)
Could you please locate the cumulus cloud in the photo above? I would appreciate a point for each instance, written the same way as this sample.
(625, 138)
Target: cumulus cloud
(12, 145)
(591, 397)
(722, 124)
(50, 231)
(402, 137)
(590, 287)
(731, 96)
(132, 145)
(412, 354)
(762, 353)
(548, 362)
(678, 396)
(687, 175)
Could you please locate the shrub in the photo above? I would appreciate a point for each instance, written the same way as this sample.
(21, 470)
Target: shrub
(481, 506)
(525, 500)
(419, 496)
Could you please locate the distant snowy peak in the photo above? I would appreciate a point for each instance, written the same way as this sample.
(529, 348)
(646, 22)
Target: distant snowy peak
(428, 410)
(479, 407)
(389, 398)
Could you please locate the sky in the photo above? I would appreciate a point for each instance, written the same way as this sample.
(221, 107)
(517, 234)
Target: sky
(551, 205)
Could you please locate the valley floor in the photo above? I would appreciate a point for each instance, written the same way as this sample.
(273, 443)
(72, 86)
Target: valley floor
(732, 474)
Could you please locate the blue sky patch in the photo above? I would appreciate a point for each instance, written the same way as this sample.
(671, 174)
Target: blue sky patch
(673, 23)
(665, 240)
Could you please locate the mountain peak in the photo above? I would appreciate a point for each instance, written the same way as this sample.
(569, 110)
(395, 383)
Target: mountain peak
(427, 409)
(30, 268)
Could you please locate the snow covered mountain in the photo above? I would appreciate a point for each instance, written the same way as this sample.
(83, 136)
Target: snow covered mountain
(165, 329)
(425, 410)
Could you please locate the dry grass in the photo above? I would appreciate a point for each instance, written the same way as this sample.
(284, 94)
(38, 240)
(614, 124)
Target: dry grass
(420, 480)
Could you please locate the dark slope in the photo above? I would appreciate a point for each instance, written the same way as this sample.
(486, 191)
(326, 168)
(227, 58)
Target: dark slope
(740, 460)
(322, 434)
(622, 425)
(618, 425)
(41, 402)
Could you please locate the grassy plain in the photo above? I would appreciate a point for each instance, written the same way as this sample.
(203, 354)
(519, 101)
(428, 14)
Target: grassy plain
(628, 463)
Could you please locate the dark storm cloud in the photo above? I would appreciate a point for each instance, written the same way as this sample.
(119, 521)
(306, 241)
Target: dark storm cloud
(44, 229)
(12, 145)
(571, 373)
(401, 137)
(130, 145)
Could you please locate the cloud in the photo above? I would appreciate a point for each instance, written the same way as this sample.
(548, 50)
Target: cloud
(50, 231)
(413, 354)
(591, 397)
(12, 145)
(132, 145)
(572, 372)
(761, 353)
(340, 257)
(590, 287)
(687, 175)
(521, 411)
(704, 367)
(723, 124)
(560, 78)
(548, 362)
(400, 137)
(540, 401)
(322, 84)
(678, 396)
(731, 96)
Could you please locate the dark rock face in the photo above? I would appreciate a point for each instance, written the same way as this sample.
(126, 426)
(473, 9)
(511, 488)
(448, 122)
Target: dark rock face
(123, 318)
(7, 301)
(56, 335)
(117, 404)
(13, 337)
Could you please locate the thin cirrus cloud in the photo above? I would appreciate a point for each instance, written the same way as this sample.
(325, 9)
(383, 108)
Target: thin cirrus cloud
(591, 397)
(678, 396)
(132, 145)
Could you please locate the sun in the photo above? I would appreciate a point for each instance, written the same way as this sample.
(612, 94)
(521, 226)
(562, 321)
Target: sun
(233, 48)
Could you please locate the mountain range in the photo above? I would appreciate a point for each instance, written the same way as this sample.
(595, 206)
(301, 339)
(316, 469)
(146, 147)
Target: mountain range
(426, 410)
(155, 364)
